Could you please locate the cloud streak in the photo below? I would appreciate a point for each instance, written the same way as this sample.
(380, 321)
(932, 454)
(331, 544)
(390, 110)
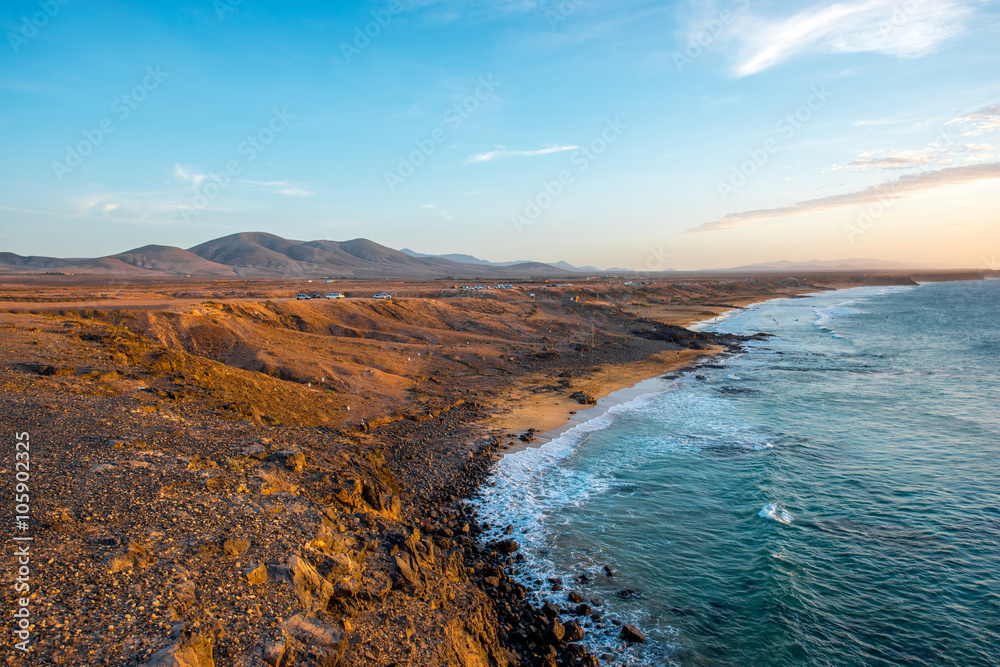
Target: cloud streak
(196, 179)
(905, 186)
(977, 123)
(856, 26)
(503, 152)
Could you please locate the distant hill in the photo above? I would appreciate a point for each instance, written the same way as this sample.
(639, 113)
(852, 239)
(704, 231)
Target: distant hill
(258, 254)
(469, 259)
(833, 265)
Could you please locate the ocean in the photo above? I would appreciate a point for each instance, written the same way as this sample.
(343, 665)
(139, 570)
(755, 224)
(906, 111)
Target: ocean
(830, 496)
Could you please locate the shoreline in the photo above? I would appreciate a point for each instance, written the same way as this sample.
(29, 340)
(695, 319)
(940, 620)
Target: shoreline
(222, 407)
(569, 418)
(554, 417)
(547, 417)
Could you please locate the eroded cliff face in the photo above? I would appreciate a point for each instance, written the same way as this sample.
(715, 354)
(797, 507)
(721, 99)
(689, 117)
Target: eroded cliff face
(169, 531)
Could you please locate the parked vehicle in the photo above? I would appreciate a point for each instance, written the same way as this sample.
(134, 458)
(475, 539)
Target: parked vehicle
(301, 296)
(383, 295)
(334, 295)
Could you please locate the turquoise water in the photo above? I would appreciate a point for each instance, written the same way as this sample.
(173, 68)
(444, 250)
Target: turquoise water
(829, 497)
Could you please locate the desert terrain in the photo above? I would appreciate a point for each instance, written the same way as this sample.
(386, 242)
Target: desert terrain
(222, 474)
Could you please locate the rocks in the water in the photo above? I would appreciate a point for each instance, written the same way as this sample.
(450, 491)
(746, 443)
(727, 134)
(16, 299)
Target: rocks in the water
(629, 594)
(608, 572)
(575, 597)
(631, 634)
(507, 546)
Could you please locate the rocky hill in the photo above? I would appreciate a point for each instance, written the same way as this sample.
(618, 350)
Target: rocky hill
(262, 255)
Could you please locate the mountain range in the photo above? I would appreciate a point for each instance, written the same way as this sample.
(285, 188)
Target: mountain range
(259, 255)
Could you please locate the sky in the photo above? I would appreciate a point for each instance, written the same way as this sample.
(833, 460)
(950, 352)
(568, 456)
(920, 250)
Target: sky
(624, 133)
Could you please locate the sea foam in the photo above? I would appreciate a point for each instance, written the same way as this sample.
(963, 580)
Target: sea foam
(775, 512)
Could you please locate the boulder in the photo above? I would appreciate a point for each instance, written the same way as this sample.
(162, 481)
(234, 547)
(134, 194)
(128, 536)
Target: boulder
(293, 459)
(191, 651)
(312, 589)
(507, 546)
(313, 631)
(631, 634)
(257, 452)
(574, 632)
(235, 546)
(556, 632)
(256, 574)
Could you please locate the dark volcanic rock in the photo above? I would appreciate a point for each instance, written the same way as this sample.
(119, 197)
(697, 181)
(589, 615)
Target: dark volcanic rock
(574, 632)
(631, 634)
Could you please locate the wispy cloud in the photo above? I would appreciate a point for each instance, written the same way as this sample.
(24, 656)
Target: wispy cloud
(934, 154)
(905, 186)
(503, 151)
(295, 192)
(440, 211)
(904, 30)
(977, 123)
(189, 175)
(195, 179)
(949, 148)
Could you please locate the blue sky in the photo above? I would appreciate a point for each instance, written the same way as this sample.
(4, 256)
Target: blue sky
(640, 134)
